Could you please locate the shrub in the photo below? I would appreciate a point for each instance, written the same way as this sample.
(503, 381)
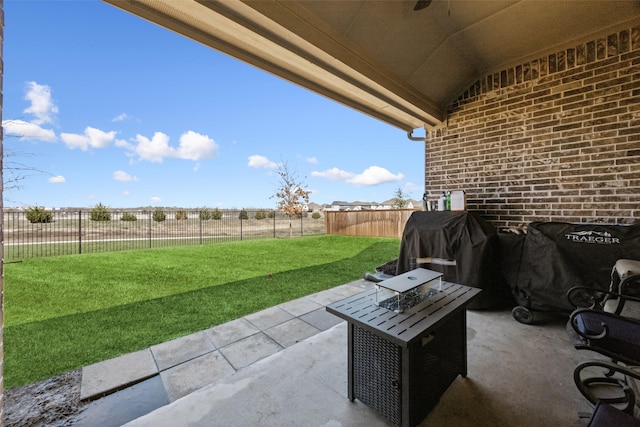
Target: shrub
(100, 213)
(316, 215)
(128, 216)
(159, 215)
(271, 214)
(181, 215)
(216, 214)
(205, 215)
(260, 215)
(243, 215)
(39, 215)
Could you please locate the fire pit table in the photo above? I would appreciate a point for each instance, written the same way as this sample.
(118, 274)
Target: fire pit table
(400, 363)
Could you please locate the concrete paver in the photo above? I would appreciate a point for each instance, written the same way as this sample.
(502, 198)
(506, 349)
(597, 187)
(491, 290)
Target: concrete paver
(230, 332)
(269, 317)
(300, 306)
(249, 350)
(180, 350)
(352, 288)
(112, 374)
(326, 297)
(291, 332)
(194, 374)
(321, 319)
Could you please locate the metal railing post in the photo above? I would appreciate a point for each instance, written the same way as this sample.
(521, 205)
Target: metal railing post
(80, 231)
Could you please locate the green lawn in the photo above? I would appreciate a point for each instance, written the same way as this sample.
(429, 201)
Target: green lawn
(62, 313)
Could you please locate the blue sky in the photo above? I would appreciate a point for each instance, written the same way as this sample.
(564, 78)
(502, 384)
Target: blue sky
(101, 106)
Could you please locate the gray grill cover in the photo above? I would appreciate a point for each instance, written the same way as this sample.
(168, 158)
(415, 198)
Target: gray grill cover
(557, 256)
(461, 236)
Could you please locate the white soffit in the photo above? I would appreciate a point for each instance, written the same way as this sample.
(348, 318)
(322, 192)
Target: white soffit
(241, 31)
(383, 57)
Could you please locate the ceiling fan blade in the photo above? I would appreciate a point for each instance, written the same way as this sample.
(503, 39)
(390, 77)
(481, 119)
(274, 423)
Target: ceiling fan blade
(422, 4)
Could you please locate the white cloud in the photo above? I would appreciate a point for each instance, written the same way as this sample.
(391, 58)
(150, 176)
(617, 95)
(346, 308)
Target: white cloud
(257, 161)
(44, 111)
(194, 146)
(123, 144)
(98, 138)
(123, 176)
(312, 160)
(334, 174)
(154, 149)
(42, 106)
(373, 175)
(126, 193)
(25, 130)
(57, 179)
(92, 138)
(121, 117)
(155, 199)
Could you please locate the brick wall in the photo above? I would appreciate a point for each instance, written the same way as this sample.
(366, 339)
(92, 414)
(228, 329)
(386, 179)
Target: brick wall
(555, 139)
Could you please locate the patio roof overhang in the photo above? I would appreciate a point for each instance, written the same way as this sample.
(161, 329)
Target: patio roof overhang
(384, 58)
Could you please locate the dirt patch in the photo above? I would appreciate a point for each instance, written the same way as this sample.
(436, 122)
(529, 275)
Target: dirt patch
(54, 402)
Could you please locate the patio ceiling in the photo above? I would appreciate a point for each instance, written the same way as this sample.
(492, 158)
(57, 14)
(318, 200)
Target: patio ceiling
(384, 58)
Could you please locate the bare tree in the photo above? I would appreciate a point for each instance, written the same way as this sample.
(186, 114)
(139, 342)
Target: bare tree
(400, 198)
(13, 170)
(291, 194)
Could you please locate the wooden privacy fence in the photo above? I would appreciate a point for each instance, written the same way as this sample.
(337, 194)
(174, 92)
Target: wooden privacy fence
(373, 223)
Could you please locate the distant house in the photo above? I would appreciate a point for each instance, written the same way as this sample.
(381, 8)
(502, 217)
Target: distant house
(349, 206)
(361, 206)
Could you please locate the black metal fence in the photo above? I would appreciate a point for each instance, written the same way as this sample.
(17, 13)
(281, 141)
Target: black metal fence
(75, 232)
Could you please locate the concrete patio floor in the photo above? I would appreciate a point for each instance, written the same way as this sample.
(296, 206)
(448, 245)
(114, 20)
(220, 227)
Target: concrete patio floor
(287, 366)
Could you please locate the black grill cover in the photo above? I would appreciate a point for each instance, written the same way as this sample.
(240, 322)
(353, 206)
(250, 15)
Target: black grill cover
(557, 256)
(461, 236)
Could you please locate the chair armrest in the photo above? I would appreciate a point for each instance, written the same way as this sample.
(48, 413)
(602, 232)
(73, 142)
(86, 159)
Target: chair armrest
(585, 297)
(609, 334)
(630, 285)
(609, 371)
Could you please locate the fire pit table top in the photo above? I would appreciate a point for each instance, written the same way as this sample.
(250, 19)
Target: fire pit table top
(403, 328)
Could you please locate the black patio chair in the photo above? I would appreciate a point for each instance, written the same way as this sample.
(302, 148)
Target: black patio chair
(616, 337)
(623, 296)
(608, 416)
(625, 305)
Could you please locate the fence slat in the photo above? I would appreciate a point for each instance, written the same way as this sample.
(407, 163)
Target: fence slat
(373, 223)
